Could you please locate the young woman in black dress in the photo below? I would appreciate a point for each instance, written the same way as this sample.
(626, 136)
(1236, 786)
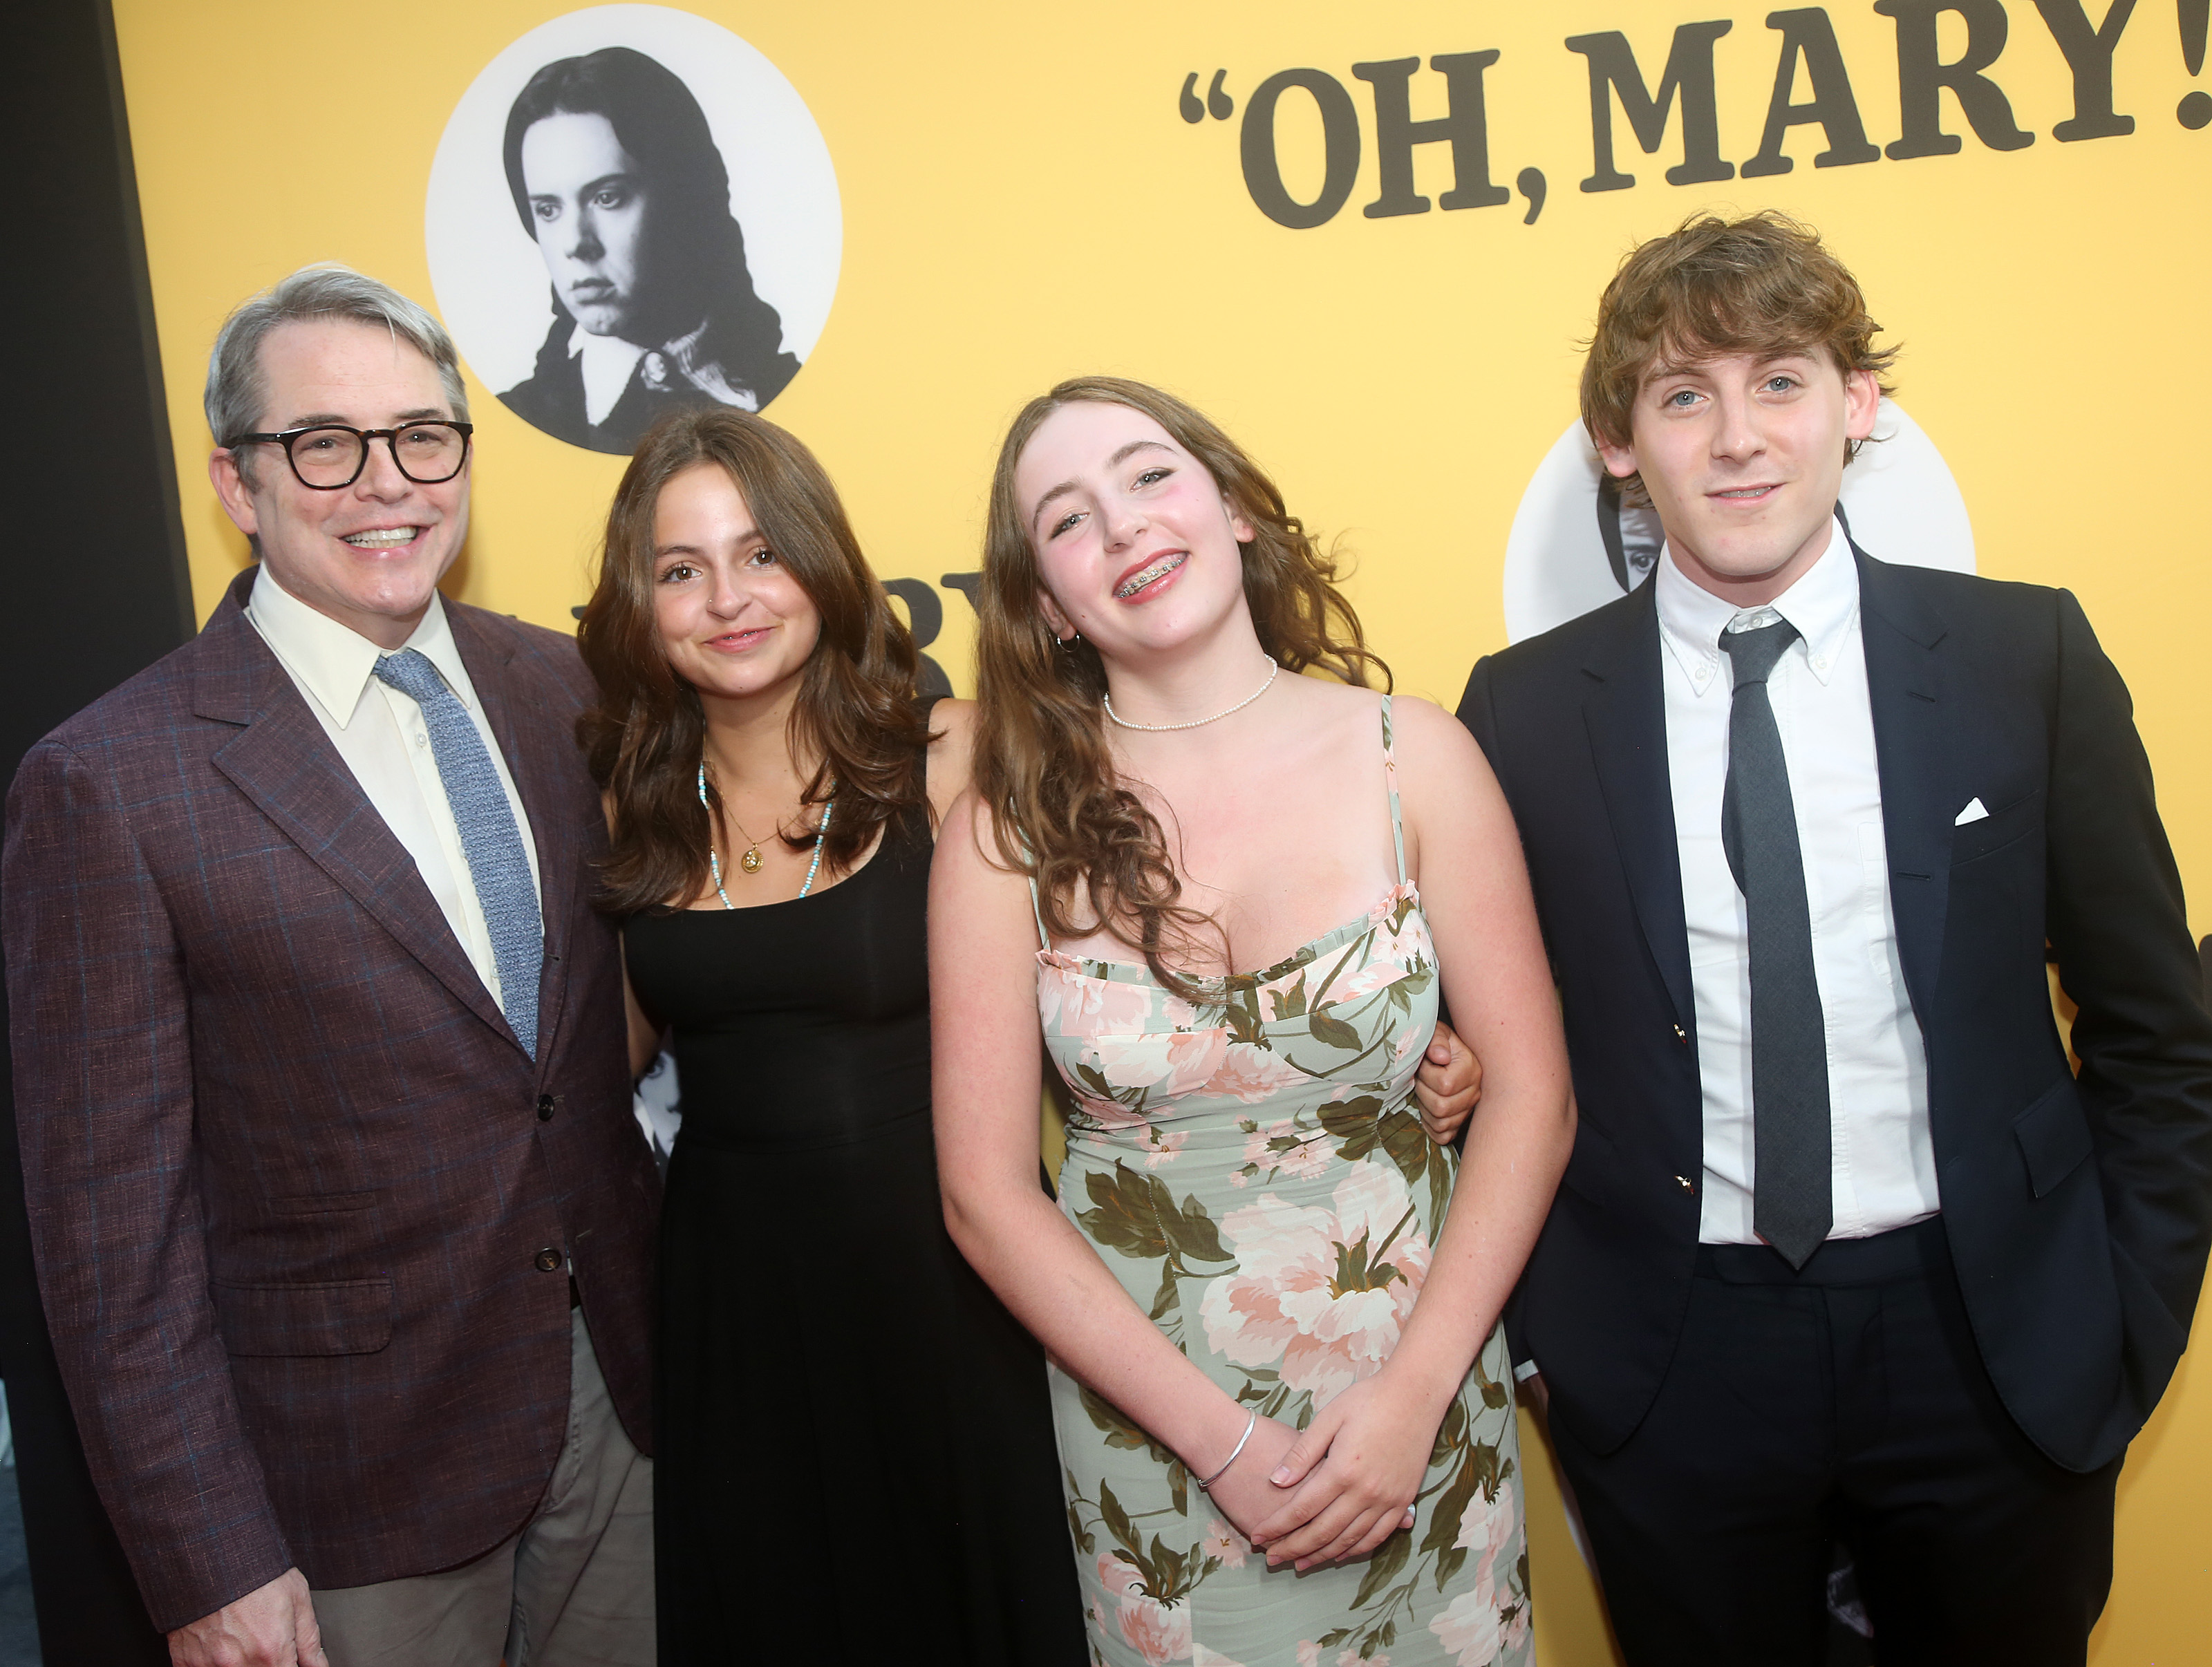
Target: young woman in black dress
(854, 1452)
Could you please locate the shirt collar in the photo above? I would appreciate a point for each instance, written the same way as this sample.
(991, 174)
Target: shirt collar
(335, 662)
(1823, 604)
(608, 362)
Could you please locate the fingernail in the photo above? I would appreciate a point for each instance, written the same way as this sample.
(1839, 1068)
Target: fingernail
(1281, 1477)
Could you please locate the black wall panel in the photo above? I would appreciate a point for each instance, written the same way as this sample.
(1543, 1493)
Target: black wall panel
(93, 589)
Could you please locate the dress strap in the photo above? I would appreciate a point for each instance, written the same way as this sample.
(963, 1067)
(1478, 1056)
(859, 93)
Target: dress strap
(1037, 909)
(1390, 777)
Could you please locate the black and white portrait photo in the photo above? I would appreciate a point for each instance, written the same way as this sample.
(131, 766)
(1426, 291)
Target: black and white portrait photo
(658, 240)
(1578, 542)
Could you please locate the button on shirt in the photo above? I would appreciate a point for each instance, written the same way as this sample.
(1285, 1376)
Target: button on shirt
(380, 734)
(1883, 1165)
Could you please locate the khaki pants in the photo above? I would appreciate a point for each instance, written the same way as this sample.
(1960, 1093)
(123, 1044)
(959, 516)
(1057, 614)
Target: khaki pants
(574, 1589)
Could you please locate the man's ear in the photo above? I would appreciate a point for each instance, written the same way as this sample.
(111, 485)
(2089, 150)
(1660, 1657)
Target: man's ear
(230, 487)
(1620, 459)
(1861, 403)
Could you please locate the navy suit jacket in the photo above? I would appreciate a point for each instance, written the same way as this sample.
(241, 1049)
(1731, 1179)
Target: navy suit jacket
(291, 1177)
(2078, 1210)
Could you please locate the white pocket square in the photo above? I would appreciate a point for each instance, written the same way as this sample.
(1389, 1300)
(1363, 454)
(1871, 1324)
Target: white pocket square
(1975, 811)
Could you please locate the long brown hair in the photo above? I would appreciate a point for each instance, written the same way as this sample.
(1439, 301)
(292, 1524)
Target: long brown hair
(855, 708)
(1043, 767)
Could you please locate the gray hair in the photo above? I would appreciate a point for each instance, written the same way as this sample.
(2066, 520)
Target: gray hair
(236, 391)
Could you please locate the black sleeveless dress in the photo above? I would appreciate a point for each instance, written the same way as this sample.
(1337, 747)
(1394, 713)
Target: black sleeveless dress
(854, 1454)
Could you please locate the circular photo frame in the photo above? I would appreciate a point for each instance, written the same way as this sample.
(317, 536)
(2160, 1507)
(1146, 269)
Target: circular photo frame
(1576, 546)
(632, 211)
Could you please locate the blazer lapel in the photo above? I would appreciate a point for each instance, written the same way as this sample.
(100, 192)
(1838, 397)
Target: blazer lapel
(1625, 713)
(283, 761)
(541, 755)
(1915, 757)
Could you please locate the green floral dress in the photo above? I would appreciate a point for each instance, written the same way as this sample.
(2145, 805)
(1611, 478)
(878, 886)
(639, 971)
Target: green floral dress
(1254, 1173)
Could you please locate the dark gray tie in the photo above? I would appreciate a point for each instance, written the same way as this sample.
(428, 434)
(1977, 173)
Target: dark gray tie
(1791, 1205)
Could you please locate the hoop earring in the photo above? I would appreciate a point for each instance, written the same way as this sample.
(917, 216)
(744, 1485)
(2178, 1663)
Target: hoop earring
(1067, 643)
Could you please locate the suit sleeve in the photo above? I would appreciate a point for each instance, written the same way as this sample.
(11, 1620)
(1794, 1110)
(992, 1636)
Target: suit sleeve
(99, 1010)
(2120, 932)
(1475, 711)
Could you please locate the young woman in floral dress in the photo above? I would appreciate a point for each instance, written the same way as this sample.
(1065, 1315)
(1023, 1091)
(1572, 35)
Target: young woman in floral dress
(1272, 1353)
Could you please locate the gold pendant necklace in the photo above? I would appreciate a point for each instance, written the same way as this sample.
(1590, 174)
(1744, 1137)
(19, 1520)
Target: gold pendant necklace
(750, 861)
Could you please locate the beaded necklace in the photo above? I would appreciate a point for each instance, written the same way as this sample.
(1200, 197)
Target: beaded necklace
(751, 863)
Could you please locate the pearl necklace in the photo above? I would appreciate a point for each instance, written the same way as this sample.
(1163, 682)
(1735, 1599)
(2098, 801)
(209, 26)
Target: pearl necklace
(750, 861)
(1273, 666)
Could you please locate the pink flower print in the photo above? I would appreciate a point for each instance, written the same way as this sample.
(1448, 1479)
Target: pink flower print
(1103, 1113)
(1309, 1653)
(1306, 1156)
(1489, 1527)
(1202, 1656)
(1174, 1062)
(1256, 1137)
(1310, 1157)
(1253, 1075)
(1324, 1293)
(1351, 1658)
(1164, 1147)
(1224, 1542)
(1159, 1632)
(1083, 1006)
(1517, 1629)
(1401, 932)
(1470, 1628)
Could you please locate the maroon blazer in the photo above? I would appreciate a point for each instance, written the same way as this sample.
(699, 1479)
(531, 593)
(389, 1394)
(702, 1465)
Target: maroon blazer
(301, 1202)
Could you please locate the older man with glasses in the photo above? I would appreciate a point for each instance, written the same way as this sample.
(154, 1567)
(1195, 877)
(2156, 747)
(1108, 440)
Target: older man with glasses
(343, 1224)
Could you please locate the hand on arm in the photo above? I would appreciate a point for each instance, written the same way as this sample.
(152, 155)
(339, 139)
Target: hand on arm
(988, 1064)
(272, 1626)
(1359, 1462)
(1447, 1085)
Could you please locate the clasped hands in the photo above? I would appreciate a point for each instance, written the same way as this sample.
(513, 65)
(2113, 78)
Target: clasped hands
(1348, 1482)
(1341, 1488)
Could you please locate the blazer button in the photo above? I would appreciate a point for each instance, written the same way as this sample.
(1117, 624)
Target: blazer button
(545, 1109)
(1682, 1036)
(547, 1260)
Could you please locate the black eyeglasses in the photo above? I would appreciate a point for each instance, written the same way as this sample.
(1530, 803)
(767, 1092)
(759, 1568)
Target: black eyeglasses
(329, 457)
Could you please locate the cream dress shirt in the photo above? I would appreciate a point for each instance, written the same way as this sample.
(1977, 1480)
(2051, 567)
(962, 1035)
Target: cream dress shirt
(380, 734)
(1883, 1162)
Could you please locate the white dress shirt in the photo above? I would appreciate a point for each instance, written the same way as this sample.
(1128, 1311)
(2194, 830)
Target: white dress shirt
(380, 734)
(608, 362)
(1883, 1160)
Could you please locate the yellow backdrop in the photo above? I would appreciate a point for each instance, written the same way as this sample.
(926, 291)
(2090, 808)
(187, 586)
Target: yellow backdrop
(1023, 198)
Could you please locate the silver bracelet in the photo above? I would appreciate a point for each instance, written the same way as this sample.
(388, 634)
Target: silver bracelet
(1250, 1424)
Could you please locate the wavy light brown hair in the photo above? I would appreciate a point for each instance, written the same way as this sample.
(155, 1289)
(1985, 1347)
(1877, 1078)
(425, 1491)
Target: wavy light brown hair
(855, 713)
(1043, 767)
(1764, 283)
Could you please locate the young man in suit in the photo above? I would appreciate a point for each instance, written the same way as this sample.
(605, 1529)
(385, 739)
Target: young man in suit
(343, 1224)
(1846, 1250)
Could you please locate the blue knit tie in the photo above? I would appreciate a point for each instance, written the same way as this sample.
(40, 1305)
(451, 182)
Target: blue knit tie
(497, 862)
